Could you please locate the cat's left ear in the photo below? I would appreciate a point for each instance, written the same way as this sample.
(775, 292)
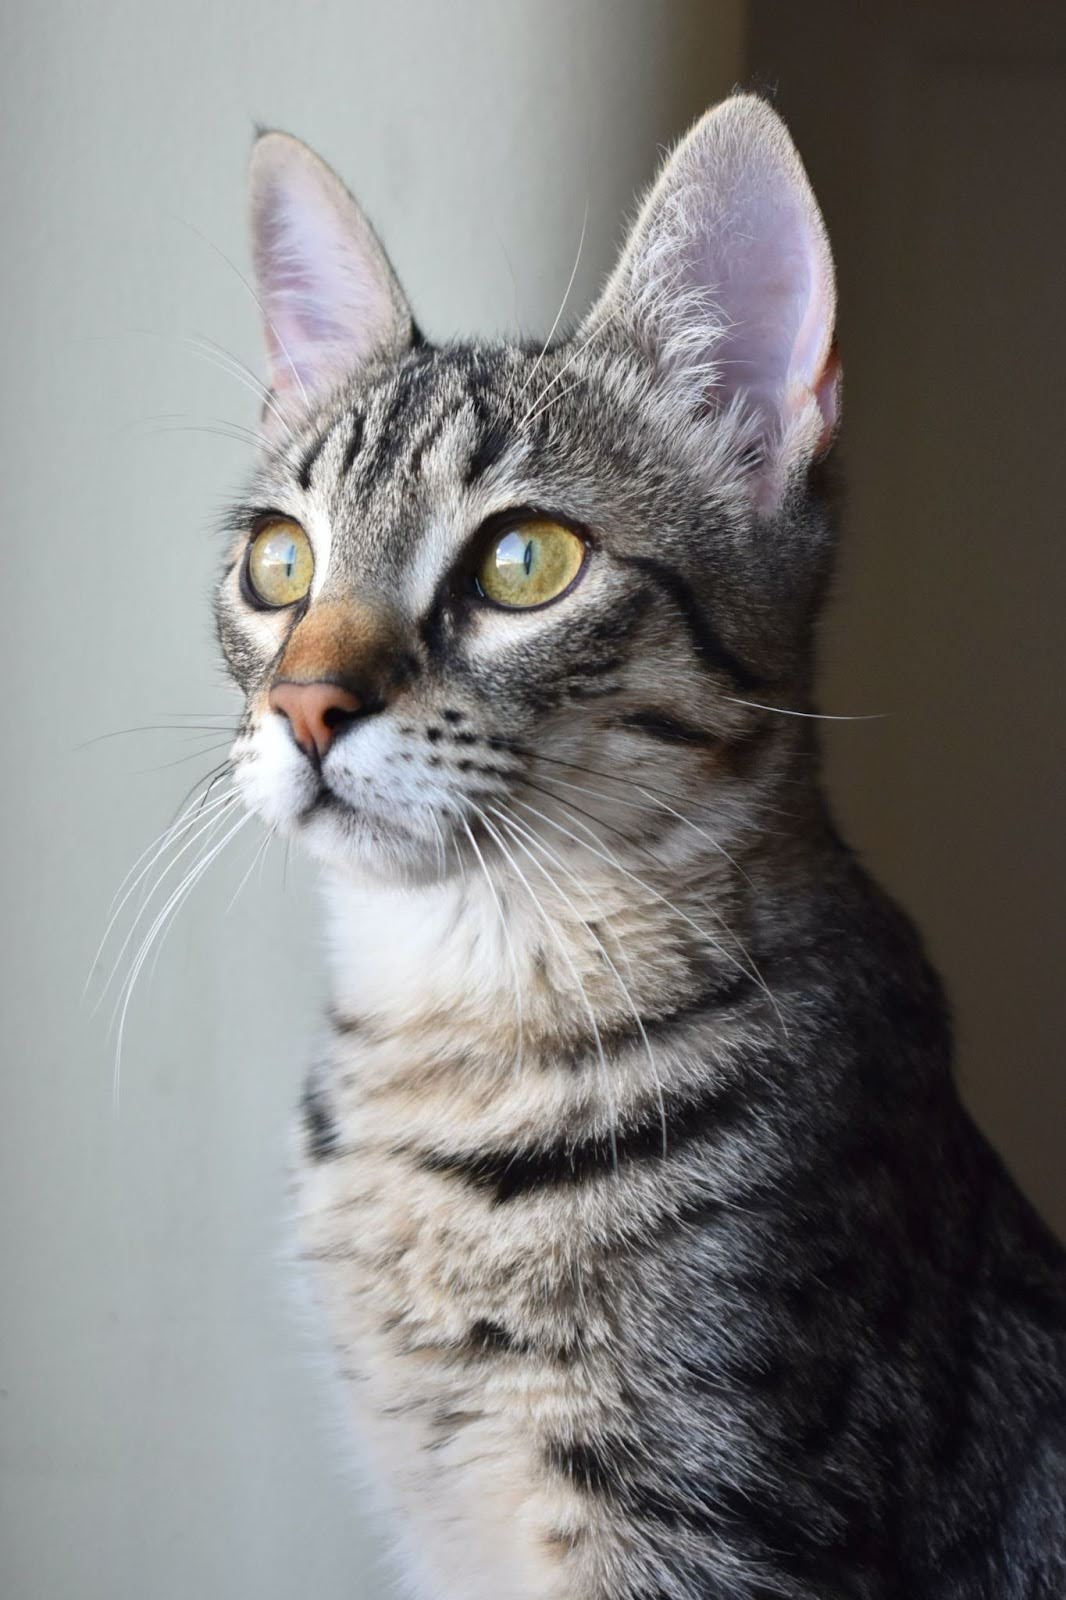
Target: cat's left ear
(726, 287)
(330, 299)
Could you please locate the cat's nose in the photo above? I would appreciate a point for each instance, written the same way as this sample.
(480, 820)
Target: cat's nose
(316, 713)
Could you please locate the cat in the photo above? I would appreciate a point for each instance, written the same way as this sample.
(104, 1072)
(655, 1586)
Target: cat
(658, 1254)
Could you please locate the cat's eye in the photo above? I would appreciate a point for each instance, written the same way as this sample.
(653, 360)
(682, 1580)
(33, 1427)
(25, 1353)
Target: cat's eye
(530, 562)
(280, 564)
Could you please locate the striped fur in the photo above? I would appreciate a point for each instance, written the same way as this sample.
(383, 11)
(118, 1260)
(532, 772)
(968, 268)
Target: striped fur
(660, 1259)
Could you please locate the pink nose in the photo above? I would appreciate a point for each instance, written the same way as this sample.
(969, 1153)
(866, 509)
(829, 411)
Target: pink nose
(316, 713)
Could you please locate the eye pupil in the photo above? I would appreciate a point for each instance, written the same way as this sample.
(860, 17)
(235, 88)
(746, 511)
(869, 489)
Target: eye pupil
(531, 563)
(280, 564)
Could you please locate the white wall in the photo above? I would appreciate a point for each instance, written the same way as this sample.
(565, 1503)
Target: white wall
(163, 1432)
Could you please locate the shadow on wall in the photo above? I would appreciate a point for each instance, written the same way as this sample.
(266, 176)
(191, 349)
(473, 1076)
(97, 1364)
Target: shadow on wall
(933, 134)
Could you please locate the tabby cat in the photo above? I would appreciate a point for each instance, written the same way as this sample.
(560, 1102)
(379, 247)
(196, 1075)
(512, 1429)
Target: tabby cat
(659, 1257)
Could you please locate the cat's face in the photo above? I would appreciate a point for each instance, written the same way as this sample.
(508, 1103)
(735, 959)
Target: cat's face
(473, 587)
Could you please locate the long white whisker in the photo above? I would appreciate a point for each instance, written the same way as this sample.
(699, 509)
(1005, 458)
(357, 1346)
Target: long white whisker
(209, 833)
(221, 809)
(513, 826)
(552, 855)
(567, 364)
(442, 856)
(171, 830)
(263, 395)
(505, 930)
(554, 932)
(610, 777)
(159, 845)
(255, 298)
(256, 858)
(812, 716)
(160, 927)
(634, 805)
(558, 315)
(546, 405)
(751, 970)
(216, 429)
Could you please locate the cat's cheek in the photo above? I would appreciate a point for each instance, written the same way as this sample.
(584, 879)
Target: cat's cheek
(274, 779)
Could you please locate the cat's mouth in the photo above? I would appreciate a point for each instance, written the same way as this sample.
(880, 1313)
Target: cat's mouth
(327, 804)
(324, 801)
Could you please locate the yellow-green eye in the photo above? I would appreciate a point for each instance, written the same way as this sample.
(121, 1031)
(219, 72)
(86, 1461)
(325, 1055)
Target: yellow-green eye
(280, 563)
(530, 563)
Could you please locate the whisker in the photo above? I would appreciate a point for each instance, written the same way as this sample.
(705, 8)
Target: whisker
(159, 929)
(512, 824)
(558, 315)
(210, 778)
(813, 716)
(507, 938)
(220, 807)
(233, 369)
(645, 850)
(257, 859)
(634, 805)
(194, 755)
(611, 777)
(553, 931)
(169, 834)
(546, 405)
(151, 727)
(232, 432)
(750, 970)
(256, 300)
(567, 364)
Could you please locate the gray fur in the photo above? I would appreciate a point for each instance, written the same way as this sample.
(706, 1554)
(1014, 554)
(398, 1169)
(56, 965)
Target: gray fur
(670, 1267)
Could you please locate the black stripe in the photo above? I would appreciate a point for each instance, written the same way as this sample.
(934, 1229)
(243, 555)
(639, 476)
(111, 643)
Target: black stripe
(726, 990)
(670, 730)
(311, 455)
(344, 1022)
(395, 428)
(485, 1340)
(323, 1136)
(446, 1424)
(704, 638)
(354, 445)
(598, 1466)
(426, 442)
(493, 438)
(511, 1174)
(486, 1336)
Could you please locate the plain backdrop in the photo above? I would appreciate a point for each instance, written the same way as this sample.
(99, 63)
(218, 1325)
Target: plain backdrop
(167, 1425)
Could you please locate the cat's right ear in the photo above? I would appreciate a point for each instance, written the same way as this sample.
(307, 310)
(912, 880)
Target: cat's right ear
(726, 288)
(329, 298)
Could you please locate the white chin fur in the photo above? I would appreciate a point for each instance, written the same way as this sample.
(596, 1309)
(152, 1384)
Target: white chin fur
(274, 779)
(382, 834)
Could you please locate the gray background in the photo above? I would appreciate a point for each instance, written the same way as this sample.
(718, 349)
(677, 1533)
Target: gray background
(166, 1424)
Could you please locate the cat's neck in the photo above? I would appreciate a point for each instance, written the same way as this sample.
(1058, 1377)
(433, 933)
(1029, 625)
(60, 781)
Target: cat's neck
(607, 945)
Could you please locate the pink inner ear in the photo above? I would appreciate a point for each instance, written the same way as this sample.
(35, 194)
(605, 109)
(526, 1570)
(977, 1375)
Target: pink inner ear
(327, 292)
(764, 258)
(303, 338)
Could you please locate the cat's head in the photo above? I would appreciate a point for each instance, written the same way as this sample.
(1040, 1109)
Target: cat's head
(472, 584)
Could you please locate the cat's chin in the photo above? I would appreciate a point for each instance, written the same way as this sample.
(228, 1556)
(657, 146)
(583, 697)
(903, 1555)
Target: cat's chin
(365, 847)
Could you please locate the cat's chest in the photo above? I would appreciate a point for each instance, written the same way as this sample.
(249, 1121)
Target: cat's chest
(409, 1237)
(452, 1332)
